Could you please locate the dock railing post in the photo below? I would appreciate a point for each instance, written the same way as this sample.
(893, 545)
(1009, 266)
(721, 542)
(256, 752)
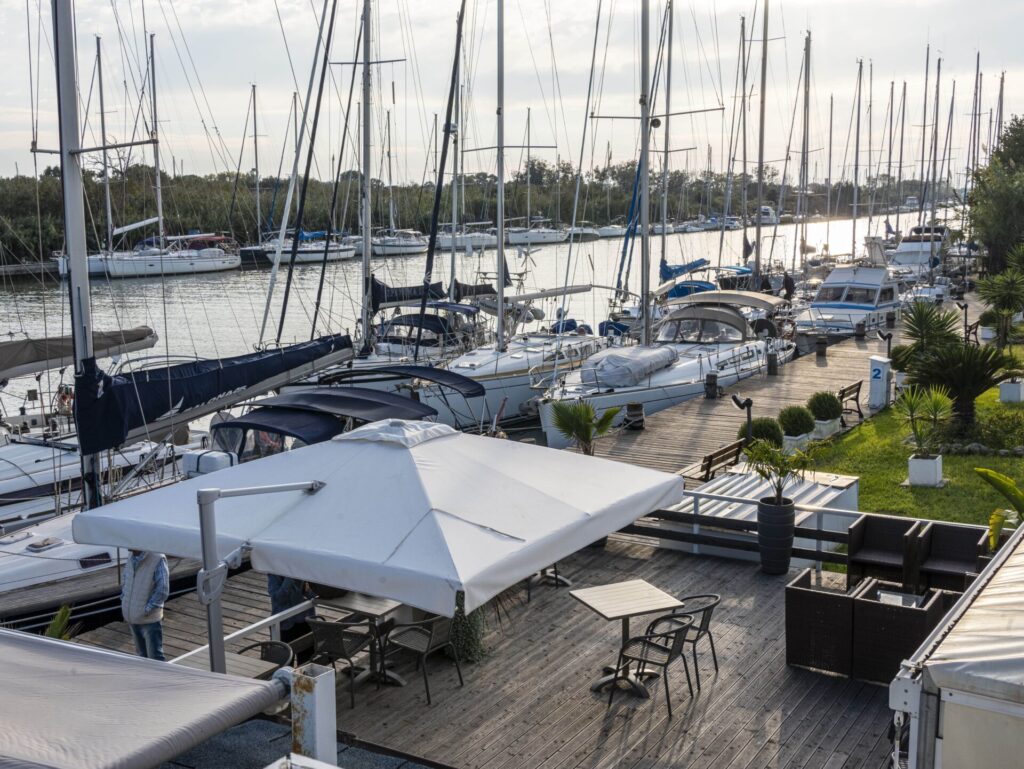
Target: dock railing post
(208, 537)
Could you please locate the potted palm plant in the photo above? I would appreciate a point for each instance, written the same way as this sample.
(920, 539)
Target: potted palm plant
(797, 424)
(924, 410)
(775, 513)
(828, 412)
(578, 422)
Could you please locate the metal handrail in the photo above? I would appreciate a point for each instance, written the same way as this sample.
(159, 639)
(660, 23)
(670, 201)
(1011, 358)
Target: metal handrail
(273, 622)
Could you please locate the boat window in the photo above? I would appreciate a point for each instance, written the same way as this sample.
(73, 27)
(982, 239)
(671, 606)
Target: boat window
(96, 559)
(859, 296)
(44, 544)
(680, 331)
(830, 293)
(260, 443)
(227, 439)
(717, 332)
(887, 294)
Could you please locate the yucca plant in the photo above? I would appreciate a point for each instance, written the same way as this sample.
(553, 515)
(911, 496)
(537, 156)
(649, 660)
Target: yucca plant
(60, 626)
(927, 327)
(965, 371)
(924, 410)
(578, 422)
(774, 465)
(1004, 294)
(1008, 487)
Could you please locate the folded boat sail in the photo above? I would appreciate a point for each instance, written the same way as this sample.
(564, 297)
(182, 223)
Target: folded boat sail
(21, 357)
(111, 411)
(383, 295)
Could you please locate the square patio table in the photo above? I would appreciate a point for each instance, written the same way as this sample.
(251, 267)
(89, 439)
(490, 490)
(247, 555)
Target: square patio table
(376, 609)
(621, 601)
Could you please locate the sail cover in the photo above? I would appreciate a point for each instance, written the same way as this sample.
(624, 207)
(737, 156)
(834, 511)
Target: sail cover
(108, 409)
(383, 295)
(21, 357)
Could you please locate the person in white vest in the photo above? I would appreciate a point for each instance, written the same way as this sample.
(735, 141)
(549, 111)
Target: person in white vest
(145, 588)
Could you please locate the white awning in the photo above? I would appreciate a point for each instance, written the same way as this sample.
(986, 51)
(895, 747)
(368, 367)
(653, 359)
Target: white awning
(411, 511)
(71, 706)
(984, 652)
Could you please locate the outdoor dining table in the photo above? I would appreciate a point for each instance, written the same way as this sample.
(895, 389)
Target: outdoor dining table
(376, 609)
(621, 601)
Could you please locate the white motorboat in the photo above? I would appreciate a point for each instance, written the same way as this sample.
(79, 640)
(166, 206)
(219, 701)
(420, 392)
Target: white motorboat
(612, 231)
(97, 267)
(399, 243)
(918, 253)
(849, 296)
(309, 251)
(466, 239)
(766, 216)
(583, 234)
(700, 334)
(536, 235)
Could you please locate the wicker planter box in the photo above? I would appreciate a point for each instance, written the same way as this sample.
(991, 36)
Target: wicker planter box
(819, 624)
(886, 632)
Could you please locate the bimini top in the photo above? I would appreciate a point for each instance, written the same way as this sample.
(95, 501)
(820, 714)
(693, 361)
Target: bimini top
(357, 402)
(766, 302)
(705, 325)
(857, 276)
(308, 426)
(463, 385)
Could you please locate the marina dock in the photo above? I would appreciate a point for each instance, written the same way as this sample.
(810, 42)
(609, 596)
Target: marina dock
(528, 702)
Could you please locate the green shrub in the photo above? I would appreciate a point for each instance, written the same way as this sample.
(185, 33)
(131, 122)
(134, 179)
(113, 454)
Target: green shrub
(902, 355)
(796, 420)
(1001, 428)
(763, 429)
(825, 406)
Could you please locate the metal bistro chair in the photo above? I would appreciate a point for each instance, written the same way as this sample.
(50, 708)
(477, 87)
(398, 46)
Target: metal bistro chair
(278, 652)
(341, 641)
(422, 638)
(700, 607)
(655, 650)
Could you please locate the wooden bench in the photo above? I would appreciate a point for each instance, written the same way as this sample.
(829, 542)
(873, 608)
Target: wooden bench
(719, 459)
(972, 333)
(850, 394)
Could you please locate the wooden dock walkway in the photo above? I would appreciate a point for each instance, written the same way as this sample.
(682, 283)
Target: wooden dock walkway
(528, 702)
(684, 434)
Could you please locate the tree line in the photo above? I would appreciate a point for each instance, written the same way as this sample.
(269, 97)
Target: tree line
(31, 223)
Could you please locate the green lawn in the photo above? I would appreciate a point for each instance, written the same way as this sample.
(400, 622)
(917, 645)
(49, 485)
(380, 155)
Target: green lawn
(876, 452)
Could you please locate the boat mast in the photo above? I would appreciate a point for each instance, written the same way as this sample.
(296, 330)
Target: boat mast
(975, 117)
(856, 162)
(668, 111)
(256, 163)
(154, 136)
(828, 175)
(645, 177)
(103, 143)
(935, 158)
(743, 119)
(391, 188)
(888, 166)
(997, 142)
(366, 128)
(74, 216)
(529, 174)
(760, 150)
(899, 165)
(454, 130)
(500, 115)
(805, 149)
(924, 133)
(871, 155)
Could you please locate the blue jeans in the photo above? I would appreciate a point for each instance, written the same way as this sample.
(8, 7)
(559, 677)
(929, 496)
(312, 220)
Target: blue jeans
(149, 640)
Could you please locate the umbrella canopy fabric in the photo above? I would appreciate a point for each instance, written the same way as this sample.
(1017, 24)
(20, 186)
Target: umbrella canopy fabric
(412, 511)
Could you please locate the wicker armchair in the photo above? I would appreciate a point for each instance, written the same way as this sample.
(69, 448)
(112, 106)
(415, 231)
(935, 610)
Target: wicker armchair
(949, 556)
(883, 548)
(819, 625)
(885, 634)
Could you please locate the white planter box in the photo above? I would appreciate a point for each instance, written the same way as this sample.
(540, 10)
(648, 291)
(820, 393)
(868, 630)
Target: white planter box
(792, 443)
(925, 471)
(825, 428)
(899, 378)
(1011, 392)
(987, 333)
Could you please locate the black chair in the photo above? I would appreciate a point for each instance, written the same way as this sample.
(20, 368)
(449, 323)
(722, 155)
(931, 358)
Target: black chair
(883, 548)
(701, 608)
(278, 652)
(949, 556)
(422, 639)
(340, 642)
(656, 650)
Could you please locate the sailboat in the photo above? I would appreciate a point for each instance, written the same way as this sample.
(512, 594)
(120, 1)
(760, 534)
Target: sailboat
(697, 335)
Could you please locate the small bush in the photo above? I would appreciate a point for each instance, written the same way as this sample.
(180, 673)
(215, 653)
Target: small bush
(902, 356)
(763, 429)
(825, 405)
(796, 420)
(1001, 428)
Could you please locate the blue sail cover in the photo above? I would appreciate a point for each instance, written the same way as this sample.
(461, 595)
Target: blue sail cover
(108, 408)
(382, 294)
(669, 271)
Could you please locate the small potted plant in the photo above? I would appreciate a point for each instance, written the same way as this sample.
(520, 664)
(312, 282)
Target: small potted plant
(775, 513)
(828, 412)
(762, 428)
(1012, 390)
(924, 410)
(989, 323)
(797, 424)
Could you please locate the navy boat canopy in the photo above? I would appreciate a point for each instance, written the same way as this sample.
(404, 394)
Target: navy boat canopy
(308, 426)
(463, 385)
(383, 295)
(356, 402)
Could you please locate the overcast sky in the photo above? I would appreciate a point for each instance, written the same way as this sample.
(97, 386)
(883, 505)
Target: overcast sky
(208, 54)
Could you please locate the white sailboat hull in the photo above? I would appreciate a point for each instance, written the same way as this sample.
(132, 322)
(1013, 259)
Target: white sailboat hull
(145, 265)
(535, 237)
(335, 253)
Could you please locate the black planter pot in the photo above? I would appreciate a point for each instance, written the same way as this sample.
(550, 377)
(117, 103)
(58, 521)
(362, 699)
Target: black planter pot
(775, 534)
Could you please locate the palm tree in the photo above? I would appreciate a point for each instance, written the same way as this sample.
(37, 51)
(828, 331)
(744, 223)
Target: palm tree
(1004, 294)
(966, 372)
(926, 327)
(578, 422)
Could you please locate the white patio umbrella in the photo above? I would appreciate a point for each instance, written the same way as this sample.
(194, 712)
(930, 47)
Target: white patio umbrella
(411, 511)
